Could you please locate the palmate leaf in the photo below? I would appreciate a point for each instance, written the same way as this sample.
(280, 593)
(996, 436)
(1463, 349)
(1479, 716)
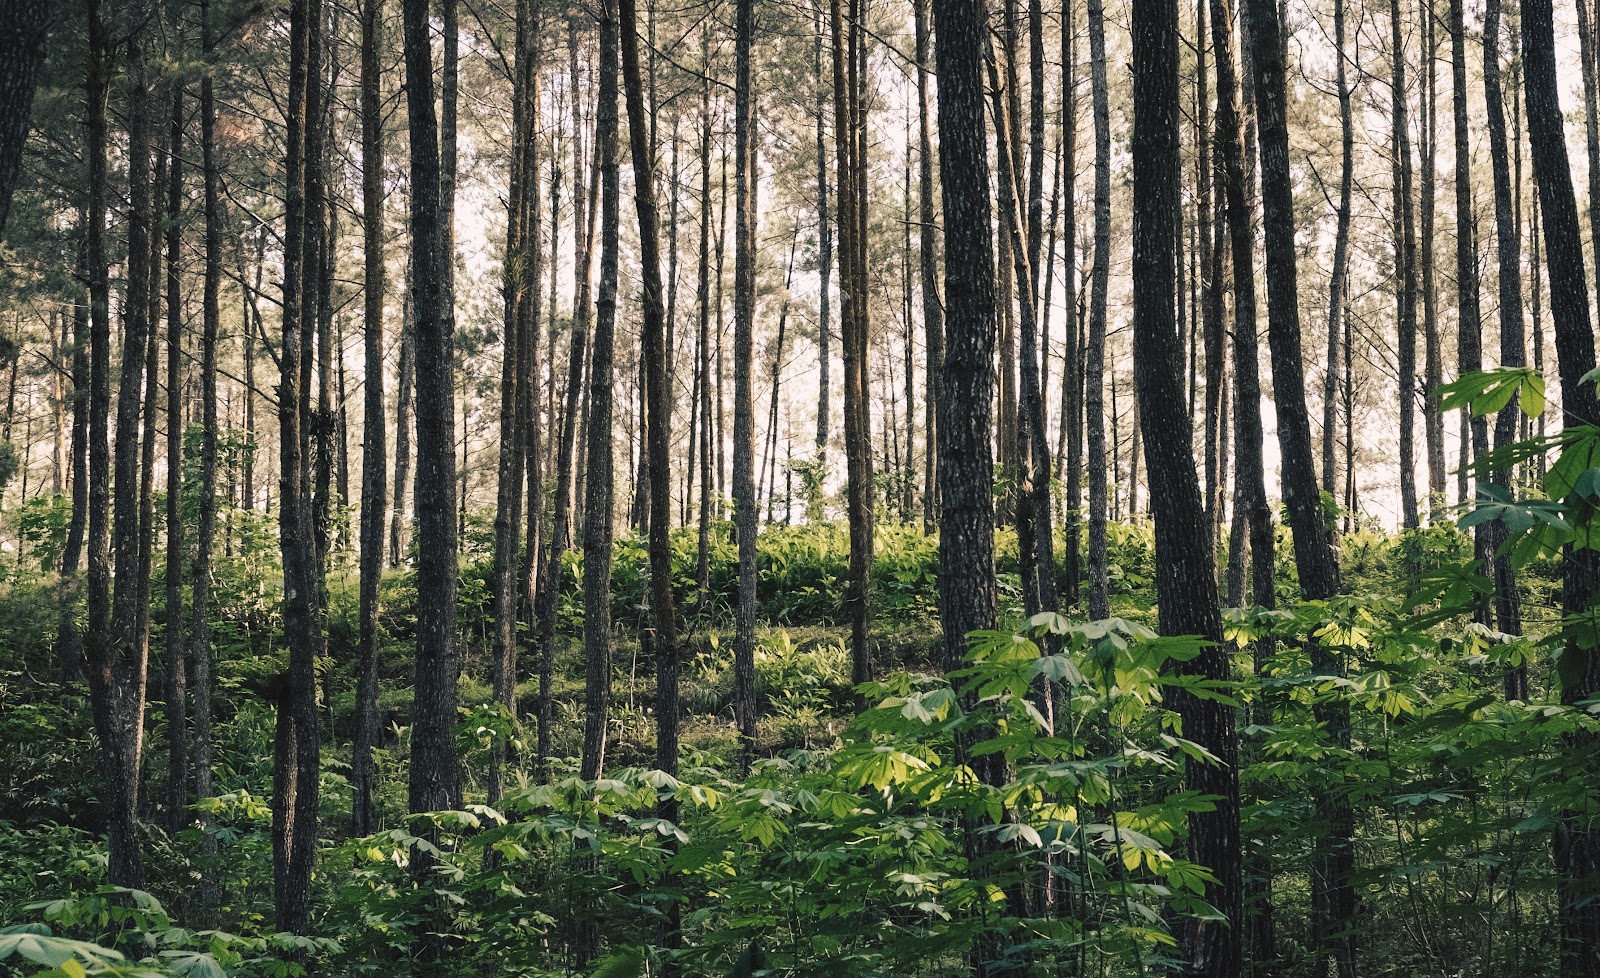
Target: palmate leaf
(1490, 391)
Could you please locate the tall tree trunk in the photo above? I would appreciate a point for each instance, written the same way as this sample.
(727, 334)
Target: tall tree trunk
(703, 344)
(1405, 263)
(177, 686)
(1433, 357)
(205, 525)
(1508, 251)
(1099, 281)
(849, 143)
(69, 641)
(435, 777)
(1469, 343)
(1071, 367)
(928, 269)
(116, 655)
(1334, 899)
(824, 243)
(297, 752)
(744, 314)
(404, 420)
(1338, 280)
(658, 434)
(1185, 576)
(1577, 843)
(598, 489)
(374, 488)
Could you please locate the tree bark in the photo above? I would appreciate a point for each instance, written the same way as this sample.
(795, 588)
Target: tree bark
(1333, 858)
(23, 24)
(1185, 576)
(1405, 273)
(1099, 280)
(374, 488)
(1577, 843)
(744, 312)
(177, 685)
(1508, 251)
(435, 777)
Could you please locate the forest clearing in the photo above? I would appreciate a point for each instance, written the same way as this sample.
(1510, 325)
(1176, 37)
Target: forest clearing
(864, 487)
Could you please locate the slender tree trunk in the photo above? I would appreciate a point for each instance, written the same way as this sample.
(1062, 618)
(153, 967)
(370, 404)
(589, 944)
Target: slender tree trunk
(1333, 858)
(824, 244)
(205, 527)
(1071, 368)
(435, 776)
(1469, 343)
(1405, 264)
(404, 422)
(69, 641)
(1338, 280)
(1099, 281)
(703, 346)
(1433, 358)
(1577, 843)
(849, 144)
(374, 488)
(658, 434)
(177, 691)
(598, 489)
(1508, 251)
(116, 657)
(297, 752)
(744, 312)
(928, 269)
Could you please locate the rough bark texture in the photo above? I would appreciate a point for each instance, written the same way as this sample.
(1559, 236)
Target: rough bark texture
(1577, 843)
(1508, 251)
(1099, 281)
(1185, 577)
(928, 256)
(435, 777)
(598, 487)
(1405, 272)
(744, 315)
(1333, 859)
(22, 36)
(374, 487)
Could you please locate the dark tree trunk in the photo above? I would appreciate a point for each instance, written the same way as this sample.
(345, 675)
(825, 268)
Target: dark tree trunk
(177, 686)
(928, 269)
(1405, 264)
(435, 776)
(1577, 843)
(1095, 360)
(1185, 576)
(1338, 279)
(744, 313)
(297, 753)
(1508, 251)
(1469, 343)
(561, 530)
(658, 433)
(404, 420)
(69, 641)
(518, 333)
(1071, 441)
(1432, 358)
(703, 344)
(598, 498)
(1334, 896)
(205, 526)
(116, 656)
(374, 488)
(22, 36)
(849, 146)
